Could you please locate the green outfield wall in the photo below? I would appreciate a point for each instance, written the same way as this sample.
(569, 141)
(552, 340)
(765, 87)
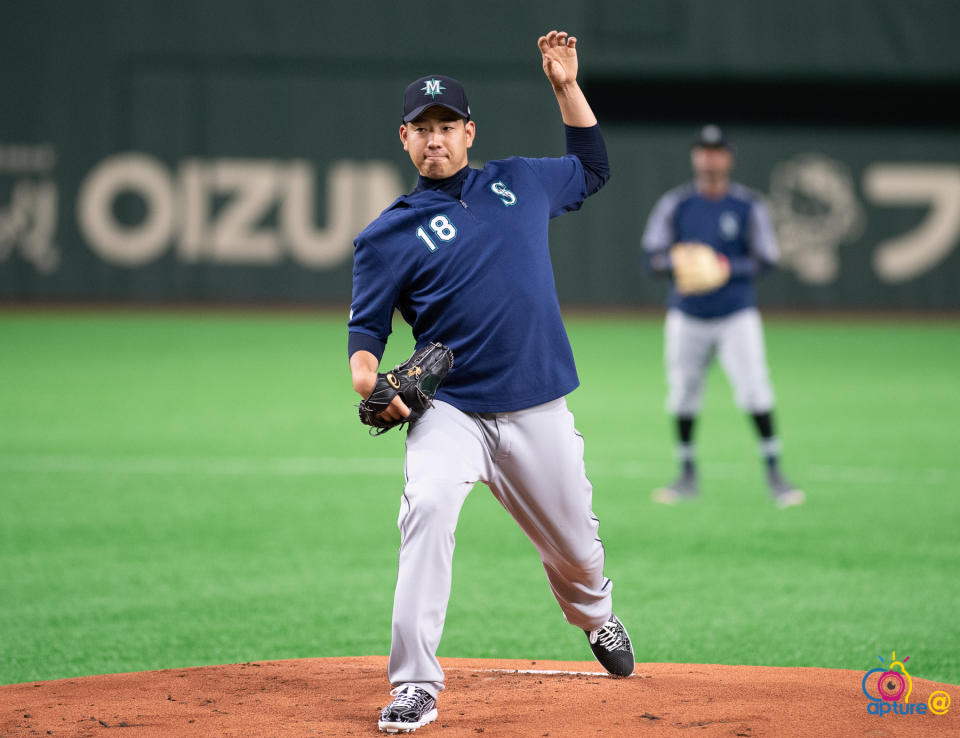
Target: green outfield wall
(230, 151)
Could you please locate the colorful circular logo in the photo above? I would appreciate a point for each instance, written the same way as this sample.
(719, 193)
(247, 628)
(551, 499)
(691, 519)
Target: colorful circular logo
(894, 686)
(891, 686)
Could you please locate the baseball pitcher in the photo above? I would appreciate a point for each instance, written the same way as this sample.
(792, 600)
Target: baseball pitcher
(466, 260)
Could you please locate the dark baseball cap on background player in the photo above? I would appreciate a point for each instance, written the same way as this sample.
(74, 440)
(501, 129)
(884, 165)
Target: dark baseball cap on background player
(712, 137)
(434, 90)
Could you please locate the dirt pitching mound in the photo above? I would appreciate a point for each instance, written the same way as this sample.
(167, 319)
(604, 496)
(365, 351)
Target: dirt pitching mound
(342, 697)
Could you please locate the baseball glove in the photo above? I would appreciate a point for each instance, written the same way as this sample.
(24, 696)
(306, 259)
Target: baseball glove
(416, 381)
(698, 268)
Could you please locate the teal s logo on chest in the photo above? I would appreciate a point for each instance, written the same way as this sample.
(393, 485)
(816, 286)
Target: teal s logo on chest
(506, 196)
(729, 225)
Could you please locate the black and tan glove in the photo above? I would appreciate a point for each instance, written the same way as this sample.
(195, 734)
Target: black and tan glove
(416, 381)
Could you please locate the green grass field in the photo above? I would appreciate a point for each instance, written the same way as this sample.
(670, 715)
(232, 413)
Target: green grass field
(182, 489)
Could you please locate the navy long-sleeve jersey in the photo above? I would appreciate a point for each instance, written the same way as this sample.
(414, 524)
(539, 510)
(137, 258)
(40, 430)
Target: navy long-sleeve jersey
(473, 271)
(738, 226)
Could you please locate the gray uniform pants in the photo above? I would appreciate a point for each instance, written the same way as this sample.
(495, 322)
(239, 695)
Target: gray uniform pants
(532, 461)
(690, 345)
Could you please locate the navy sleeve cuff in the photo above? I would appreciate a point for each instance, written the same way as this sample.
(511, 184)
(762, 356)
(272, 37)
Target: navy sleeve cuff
(588, 146)
(659, 263)
(365, 342)
(745, 266)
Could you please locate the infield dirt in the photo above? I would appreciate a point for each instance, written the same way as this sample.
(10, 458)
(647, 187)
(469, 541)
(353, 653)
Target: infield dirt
(342, 697)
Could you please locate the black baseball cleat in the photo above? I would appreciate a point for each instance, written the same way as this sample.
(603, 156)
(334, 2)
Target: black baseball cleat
(412, 708)
(611, 645)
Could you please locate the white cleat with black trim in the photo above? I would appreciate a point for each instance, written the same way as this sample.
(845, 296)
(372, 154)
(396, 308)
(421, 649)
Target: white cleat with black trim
(684, 489)
(784, 494)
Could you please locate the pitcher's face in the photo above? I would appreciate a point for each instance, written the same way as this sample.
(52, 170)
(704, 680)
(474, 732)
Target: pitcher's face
(437, 142)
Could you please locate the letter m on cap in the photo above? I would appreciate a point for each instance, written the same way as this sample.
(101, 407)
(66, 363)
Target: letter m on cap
(432, 87)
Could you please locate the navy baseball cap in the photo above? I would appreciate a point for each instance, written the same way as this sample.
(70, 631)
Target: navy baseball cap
(712, 137)
(434, 89)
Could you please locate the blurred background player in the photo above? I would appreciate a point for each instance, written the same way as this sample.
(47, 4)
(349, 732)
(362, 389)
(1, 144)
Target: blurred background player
(719, 319)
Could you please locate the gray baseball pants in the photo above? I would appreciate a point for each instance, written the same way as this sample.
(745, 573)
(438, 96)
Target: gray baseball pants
(532, 461)
(690, 345)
